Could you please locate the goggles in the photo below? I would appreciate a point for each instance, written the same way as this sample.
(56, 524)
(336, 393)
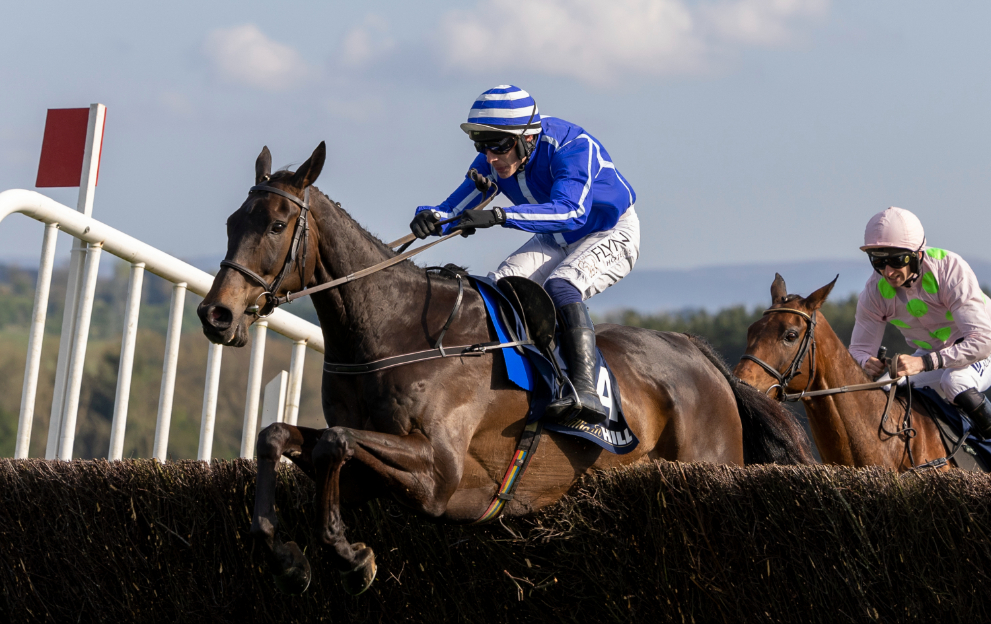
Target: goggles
(894, 259)
(498, 146)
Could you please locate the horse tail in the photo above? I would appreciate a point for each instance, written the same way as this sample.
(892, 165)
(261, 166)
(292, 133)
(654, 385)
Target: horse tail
(771, 434)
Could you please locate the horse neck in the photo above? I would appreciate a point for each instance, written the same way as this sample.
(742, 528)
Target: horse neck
(845, 425)
(358, 317)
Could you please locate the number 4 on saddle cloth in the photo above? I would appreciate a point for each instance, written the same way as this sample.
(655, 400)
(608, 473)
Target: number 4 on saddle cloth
(519, 309)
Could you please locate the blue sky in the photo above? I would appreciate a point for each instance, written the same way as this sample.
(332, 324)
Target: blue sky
(752, 130)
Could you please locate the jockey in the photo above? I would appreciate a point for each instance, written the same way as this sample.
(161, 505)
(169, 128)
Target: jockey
(566, 190)
(933, 297)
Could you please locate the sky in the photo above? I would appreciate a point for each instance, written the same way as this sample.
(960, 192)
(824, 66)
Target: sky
(752, 130)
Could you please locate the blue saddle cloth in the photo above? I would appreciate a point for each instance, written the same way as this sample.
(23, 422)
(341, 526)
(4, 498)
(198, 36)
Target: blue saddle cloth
(952, 415)
(529, 369)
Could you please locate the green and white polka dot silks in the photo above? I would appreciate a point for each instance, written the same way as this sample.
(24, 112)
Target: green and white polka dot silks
(944, 306)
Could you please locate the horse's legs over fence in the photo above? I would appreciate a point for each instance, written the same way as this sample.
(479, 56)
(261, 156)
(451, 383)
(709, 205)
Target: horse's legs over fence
(405, 465)
(285, 561)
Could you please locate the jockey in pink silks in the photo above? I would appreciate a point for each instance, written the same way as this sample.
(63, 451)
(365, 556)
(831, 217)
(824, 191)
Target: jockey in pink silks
(932, 296)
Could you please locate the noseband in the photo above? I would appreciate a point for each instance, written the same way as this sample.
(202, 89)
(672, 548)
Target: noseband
(808, 343)
(299, 237)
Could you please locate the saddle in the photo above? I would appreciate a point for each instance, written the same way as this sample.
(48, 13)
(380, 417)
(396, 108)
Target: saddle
(965, 449)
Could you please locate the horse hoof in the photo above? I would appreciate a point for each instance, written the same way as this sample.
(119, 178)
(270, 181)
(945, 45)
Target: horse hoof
(295, 579)
(360, 577)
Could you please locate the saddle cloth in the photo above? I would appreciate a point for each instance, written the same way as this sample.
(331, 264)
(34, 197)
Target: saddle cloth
(530, 369)
(974, 454)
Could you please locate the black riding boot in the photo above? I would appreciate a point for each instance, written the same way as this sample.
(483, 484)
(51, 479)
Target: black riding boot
(578, 350)
(978, 409)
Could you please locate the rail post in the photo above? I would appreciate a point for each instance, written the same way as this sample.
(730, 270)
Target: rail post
(250, 430)
(77, 359)
(126, 366)
(29, 390)
(295, 381)
(210, 391)
(172, 337)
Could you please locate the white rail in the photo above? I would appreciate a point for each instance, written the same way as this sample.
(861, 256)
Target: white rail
(94, 237)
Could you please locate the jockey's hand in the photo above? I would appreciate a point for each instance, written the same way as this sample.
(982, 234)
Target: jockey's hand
(874, 368)
(908, 365)
(424, 224)
(471, 219)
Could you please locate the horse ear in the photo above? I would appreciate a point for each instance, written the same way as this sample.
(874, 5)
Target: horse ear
(263, 166)
(778, 289)
(816, 299)
(310, 170)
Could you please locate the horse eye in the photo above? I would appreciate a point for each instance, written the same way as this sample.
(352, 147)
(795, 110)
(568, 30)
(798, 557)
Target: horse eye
(277, 227)
(791, 336)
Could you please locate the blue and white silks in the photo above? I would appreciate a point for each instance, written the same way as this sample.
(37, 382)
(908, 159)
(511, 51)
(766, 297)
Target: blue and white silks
(569, 187)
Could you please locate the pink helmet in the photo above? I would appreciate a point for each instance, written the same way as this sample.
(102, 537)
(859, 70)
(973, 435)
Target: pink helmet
(894, 227)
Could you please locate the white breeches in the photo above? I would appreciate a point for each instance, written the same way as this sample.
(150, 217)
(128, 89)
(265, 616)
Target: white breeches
(591, 264)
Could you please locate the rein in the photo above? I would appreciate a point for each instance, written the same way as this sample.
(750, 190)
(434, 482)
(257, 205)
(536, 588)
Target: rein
(273, 300)
(809, 344)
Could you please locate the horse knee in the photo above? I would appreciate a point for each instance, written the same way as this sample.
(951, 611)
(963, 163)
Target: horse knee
(334, 446)
(271, 441)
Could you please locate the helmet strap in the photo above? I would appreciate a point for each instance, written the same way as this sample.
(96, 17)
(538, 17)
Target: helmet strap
(523, 147)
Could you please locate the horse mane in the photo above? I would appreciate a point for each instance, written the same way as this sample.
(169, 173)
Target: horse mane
(285, 176)
(771, 433)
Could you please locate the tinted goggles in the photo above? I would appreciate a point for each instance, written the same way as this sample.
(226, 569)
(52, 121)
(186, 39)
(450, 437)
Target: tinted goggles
(499, 146)
(895, 260)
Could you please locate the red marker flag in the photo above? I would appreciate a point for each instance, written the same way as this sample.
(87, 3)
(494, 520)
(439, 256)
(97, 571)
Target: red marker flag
(63, 148)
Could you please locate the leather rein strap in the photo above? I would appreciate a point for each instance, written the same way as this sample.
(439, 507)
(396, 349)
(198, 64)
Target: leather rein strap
(796, 364)
(385, 263)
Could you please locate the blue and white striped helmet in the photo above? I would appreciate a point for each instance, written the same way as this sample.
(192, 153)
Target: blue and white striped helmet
(505, 109)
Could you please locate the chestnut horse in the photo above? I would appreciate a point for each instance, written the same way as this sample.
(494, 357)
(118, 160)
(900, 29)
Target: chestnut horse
(846, 426)
(438, 435)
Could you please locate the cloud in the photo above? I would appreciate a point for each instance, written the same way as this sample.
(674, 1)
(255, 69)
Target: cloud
(367, 42)
(596, 41)
(244, 55)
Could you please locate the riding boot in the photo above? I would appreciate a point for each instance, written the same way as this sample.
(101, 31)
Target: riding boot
(578, 350)
(978, 408)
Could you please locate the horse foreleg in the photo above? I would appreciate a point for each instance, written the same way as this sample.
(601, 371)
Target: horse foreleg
(285, 560)
(405, 465)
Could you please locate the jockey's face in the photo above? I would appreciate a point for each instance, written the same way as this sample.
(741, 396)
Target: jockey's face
(896, 277)
(505, 165)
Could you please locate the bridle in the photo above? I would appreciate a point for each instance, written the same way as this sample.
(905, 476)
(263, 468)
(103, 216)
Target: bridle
(907, 431)
(299, 238)
(808, 344)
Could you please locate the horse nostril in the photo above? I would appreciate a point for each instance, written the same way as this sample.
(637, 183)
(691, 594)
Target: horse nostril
(219, 316)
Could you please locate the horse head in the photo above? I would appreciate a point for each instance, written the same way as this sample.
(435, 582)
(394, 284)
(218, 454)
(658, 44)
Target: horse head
(261, 253)
(781, 344)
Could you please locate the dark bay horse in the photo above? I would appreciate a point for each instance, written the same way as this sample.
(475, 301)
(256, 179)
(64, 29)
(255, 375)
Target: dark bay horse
(845, 426)
(438, 435)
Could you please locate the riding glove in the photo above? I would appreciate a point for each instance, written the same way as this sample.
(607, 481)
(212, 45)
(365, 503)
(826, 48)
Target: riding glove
(424, 224)
(471, 219)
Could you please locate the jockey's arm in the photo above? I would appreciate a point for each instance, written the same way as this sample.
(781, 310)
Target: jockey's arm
(465, 197)
(965, 300)
(868, 331)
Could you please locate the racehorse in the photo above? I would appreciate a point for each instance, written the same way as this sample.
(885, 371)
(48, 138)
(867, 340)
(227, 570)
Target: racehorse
(794, 340)
(438, 435)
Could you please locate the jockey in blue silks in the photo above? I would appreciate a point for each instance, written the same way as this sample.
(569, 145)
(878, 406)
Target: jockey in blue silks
(566, 190)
